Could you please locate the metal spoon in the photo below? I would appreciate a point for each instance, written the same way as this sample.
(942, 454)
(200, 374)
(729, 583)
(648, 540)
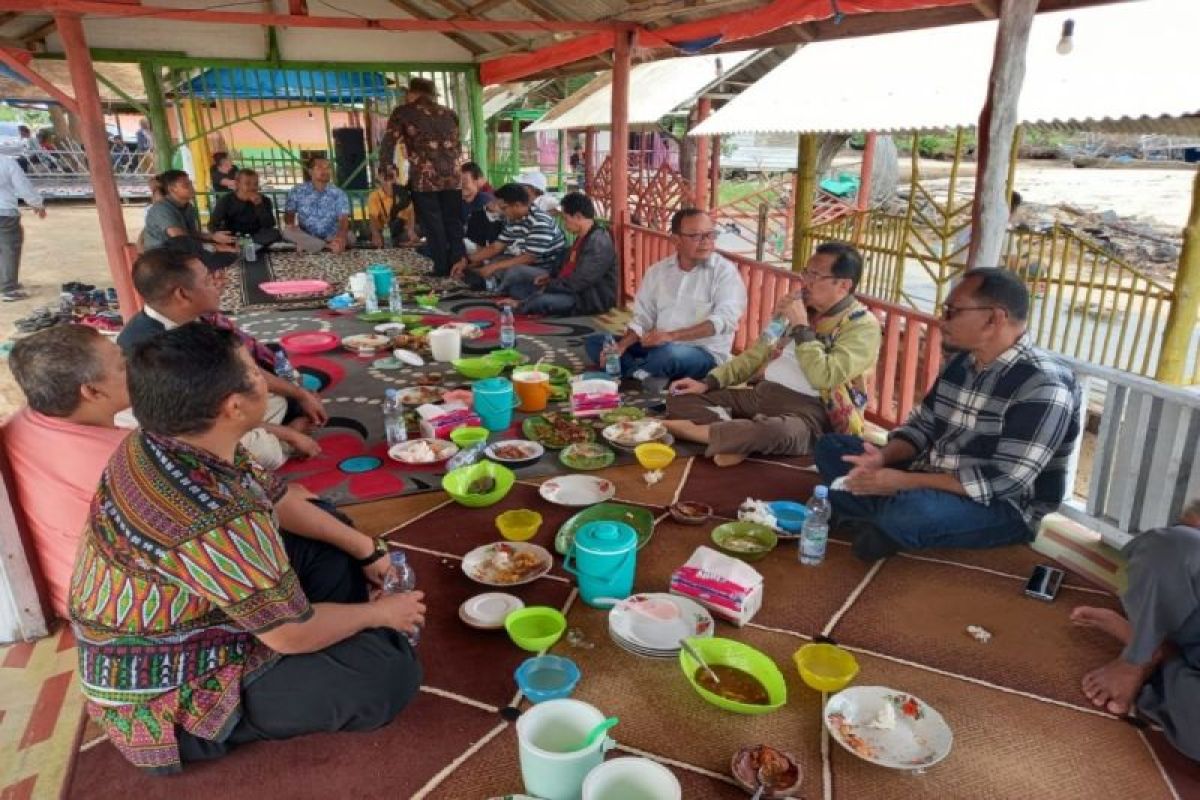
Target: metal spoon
(691, 651)
(762, 784)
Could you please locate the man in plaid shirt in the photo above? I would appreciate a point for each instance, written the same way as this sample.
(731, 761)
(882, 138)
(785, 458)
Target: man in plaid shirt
(984, 457)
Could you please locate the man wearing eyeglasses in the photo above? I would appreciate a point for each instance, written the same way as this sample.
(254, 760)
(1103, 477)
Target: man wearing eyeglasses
(687, 309)
(799, 375)
(984, 457)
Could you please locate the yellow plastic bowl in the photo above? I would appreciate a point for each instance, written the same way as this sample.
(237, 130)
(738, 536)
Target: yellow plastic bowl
(519, 524)
(653, 455)
(825, 667)
(741, 656)
(535, 628)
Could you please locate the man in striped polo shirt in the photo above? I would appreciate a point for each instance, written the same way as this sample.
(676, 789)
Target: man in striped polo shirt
(530, 246)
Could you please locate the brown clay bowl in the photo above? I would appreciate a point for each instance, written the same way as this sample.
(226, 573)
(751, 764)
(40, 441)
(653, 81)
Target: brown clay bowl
(744, 768)
(691, 513)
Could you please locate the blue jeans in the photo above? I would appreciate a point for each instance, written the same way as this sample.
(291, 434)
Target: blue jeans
(921, 517)
(547, 304)
(670, 361)
(519, 279)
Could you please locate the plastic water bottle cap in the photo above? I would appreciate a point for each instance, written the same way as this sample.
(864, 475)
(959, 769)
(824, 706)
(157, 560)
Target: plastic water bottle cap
(821, 492)
(391, 394)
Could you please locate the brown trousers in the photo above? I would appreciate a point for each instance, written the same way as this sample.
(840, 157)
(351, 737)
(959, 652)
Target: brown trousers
(768, 419)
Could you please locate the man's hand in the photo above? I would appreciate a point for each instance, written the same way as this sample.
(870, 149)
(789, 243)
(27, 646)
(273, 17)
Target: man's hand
(792, 307)
(656, 338)
(256, 199)
(876, 481)
(377, 571)
(541, 281)
(488, 271)
(41, 212)
(337, 244)
(403, 612)
(459, 268)
(312, 407)
(689, 386)
(871, 458)
(224, 237)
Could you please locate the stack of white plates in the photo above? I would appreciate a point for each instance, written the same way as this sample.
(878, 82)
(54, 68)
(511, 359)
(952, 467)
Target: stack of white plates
(651, 624)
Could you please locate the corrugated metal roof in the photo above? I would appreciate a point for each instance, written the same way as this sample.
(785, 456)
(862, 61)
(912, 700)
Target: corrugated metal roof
(655, 90)
(1131, 63)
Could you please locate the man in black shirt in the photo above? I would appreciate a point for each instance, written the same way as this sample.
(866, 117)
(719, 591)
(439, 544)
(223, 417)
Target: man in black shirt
(246, 212)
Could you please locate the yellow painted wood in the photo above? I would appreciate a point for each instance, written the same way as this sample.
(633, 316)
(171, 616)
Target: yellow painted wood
(1182, 319)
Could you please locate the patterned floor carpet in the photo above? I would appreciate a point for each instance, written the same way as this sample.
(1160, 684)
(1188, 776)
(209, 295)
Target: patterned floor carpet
(1021, 726)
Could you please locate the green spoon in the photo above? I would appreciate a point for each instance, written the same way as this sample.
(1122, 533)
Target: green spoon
(597, 732)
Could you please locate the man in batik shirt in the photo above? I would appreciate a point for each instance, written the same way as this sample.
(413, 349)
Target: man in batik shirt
(200, 625)
(429, 132)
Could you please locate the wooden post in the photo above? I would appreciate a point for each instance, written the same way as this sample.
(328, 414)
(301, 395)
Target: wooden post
(562, 160)
(95, 144)
(1181, 321)
(997, 123)
(479, 142)
(164, 148)
(864, 174)
(619, 147)
(805, 196)
(589, 158)
(714, 177)
(701, 193)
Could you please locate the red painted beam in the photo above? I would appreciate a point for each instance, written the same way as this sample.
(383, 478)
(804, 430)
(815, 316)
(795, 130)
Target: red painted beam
(18, 62)
(298, 8)
(511, 68)
(120, 10)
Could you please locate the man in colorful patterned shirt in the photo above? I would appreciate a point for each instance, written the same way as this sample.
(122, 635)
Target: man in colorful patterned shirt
(316, 214)
(200, 624)
(984, 457)
(429, 133)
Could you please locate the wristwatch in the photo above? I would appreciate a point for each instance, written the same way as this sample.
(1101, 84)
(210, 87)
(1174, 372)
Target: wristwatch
(381, 550)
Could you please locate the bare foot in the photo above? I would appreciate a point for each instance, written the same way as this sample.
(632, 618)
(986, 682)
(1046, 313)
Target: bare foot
(728, 459)
(1114, 687)
(1103, 619)
(687, 430)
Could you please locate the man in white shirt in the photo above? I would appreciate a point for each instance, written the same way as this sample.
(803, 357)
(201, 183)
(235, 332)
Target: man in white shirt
(804, 376)
(687, 309)
(14, 185)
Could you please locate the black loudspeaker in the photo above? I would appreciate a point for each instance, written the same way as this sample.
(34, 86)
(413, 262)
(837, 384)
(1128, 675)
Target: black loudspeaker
(350, 153)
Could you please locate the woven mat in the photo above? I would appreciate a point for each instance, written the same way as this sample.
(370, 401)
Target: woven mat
(1021, 726)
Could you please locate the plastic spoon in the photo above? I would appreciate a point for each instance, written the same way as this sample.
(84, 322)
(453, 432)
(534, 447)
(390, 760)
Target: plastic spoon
(691, 651)
(597, 732)
(762, 784)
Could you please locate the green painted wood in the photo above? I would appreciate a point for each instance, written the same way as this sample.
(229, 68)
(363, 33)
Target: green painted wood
(156, 112)
(479, 143)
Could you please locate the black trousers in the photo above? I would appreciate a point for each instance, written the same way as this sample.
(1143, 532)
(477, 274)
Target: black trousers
(439, 215)
(359, 684)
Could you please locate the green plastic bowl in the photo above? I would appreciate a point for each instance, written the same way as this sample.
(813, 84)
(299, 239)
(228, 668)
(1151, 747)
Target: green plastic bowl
(748, 541)
(507, 357)
(469, 436)
(535, 628)
(455, 483)
(478, 367)
(740, 656)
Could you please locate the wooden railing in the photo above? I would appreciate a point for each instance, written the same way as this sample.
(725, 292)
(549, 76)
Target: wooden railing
(909, 359)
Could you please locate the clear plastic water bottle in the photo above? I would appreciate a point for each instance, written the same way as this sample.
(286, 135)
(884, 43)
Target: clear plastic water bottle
(284, 368)
(393, 418)
(508, 329)
(775, 329)
(402, 579)
(611, 358)
(815, 533)
(396, 299)
(370, 299)
(249, 249)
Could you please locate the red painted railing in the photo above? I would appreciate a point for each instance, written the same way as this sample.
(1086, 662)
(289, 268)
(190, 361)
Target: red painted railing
(909, 358)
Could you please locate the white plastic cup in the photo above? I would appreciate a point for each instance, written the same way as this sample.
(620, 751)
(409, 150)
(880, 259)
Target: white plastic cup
(545, 733)
(445, 344)
(631, 779)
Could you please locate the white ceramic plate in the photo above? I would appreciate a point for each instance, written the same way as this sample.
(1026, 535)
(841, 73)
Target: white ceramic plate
(485, 564)
(361, 341)
(532, 450)
(657, 621)
(632, 432)
(487, 611)
(402, 452)
(408, 357)
(420, 395)
(577, 490)
(920, 738)
(390, 328)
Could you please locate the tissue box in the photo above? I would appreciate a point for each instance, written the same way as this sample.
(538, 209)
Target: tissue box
(592, 397)
(438, 421)
(728, 587)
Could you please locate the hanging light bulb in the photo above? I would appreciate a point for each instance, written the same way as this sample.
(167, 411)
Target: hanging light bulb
(1067, 43)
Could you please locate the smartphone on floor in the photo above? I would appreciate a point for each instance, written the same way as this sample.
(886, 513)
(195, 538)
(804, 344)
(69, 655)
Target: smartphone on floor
(1044, 583)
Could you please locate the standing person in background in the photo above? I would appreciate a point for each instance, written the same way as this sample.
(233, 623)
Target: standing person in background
(145, 138)
(13, 186)
(223, 173)
(429, 132)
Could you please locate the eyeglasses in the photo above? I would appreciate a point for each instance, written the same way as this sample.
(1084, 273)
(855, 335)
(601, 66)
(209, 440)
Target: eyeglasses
(706, 236)
(809, 275)
(949, 312)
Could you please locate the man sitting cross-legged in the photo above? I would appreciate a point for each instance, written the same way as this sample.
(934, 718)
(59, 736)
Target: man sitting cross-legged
(687, 309)
(1158, 671)
(177, 288)
(984, 457)
(809, 381)
(316, 214)
(212, 605)
(530, 246)
(73, 379)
